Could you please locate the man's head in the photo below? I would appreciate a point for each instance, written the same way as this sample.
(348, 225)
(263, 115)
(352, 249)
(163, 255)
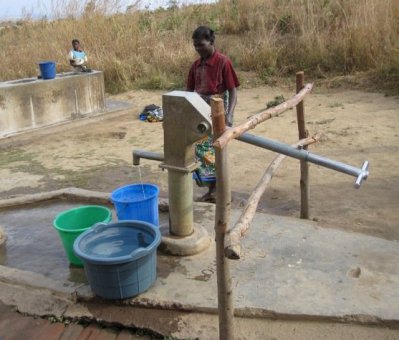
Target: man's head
(76, 44)
(203, 41)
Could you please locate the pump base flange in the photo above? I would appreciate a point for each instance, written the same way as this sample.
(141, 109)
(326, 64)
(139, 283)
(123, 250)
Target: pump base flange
(193, 244)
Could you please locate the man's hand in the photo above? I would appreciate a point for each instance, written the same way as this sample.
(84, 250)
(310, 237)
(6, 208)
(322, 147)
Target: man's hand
(77, 62)
(232, 105)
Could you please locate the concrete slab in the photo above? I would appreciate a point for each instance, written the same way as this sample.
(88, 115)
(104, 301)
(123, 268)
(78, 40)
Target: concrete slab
(179, 324)
(194, 325)
(290, 268)
(33, 301)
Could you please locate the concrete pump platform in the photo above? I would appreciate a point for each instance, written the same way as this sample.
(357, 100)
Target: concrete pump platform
(291, 269)
(31, 103)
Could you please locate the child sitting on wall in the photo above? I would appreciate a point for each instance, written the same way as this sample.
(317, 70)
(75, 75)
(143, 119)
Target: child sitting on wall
(78, 58)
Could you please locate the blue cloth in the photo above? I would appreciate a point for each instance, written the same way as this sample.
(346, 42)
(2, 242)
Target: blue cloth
(78, 54)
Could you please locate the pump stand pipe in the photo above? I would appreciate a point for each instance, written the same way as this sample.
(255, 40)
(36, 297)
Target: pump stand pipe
(187, 119)
(285, 149)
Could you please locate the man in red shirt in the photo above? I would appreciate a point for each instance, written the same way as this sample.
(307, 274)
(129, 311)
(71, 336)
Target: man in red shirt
(213, 72)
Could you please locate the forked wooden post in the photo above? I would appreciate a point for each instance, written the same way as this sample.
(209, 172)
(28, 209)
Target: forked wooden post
(234, 235)
(304, 181)
(222, 219)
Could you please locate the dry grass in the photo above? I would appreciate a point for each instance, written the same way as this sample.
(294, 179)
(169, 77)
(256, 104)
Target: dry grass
(326, 38)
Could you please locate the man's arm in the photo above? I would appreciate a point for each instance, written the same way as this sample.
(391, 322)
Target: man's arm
(70, 58)
(232, 106)
(231, 83)
(190, 85)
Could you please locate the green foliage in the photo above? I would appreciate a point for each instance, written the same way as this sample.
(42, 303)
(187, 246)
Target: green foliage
(172, 22)
(266, 74)
(276, 101)
(18, 156)
(158, 80)
(336, 104)
(145, 21)
(389, 76)
(284, 24)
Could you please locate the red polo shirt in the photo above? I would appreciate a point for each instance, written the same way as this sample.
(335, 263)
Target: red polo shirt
(214, 75)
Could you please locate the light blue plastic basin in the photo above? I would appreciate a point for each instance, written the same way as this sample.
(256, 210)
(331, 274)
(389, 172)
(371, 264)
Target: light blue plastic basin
(120, 259)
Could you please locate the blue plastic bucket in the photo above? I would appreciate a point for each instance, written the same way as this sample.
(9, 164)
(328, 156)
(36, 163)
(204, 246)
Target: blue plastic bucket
(120, 259)
(47, 69)
(137, 202)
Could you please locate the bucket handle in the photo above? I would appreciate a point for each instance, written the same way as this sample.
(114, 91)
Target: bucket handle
(98, 227)
(143, 245)
(139, 252)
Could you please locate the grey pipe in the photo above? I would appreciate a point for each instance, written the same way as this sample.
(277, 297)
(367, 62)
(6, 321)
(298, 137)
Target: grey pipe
(137, 154)
(285, 149)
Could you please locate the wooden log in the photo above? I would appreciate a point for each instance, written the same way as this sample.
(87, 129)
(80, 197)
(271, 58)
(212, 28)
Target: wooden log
(232, 248)
(303, 133)
(222, 218)
(237, 131)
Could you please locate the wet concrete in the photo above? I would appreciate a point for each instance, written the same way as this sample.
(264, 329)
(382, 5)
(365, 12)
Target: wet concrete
(34, 245)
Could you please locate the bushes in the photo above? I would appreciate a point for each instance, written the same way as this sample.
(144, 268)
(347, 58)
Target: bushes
(153, 49)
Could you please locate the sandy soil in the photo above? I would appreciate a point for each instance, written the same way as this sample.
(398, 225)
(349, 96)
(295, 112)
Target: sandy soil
(356, 126)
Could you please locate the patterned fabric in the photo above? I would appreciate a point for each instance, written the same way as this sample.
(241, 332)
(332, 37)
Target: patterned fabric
(205, 154)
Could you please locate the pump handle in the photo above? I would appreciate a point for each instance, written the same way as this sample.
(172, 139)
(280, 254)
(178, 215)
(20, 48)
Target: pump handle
(362, 175)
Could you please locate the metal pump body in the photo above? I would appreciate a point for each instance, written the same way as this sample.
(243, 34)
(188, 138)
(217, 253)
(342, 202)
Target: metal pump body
(187, 119)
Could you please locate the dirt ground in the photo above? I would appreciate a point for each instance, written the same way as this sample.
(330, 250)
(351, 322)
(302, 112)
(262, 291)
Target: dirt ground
(96, 154)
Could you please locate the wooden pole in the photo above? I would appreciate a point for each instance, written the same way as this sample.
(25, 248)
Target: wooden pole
(233, 238)
(260, 117)
(222, 218)
(304, 180)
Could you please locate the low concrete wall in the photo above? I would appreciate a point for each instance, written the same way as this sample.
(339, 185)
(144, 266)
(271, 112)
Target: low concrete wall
(31, 102)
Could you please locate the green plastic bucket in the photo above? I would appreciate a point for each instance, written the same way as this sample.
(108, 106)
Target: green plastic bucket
(71, 223)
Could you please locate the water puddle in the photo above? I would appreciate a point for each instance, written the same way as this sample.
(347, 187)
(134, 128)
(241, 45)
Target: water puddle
(34, 245)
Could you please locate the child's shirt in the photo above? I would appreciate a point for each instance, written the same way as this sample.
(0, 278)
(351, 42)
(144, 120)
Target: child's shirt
(77, 55)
